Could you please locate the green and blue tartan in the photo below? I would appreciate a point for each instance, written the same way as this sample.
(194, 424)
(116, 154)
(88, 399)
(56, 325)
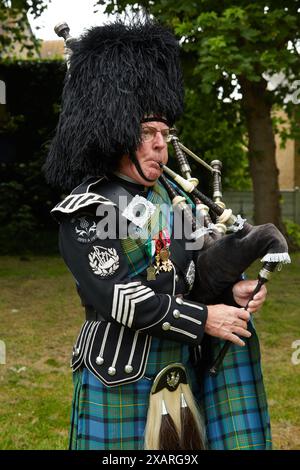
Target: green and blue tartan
(114, 418)
(234, 402)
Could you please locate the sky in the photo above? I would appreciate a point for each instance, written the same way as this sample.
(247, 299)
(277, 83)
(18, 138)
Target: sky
(77, 13)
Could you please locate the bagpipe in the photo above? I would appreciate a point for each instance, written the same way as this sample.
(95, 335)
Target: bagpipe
(230, 246)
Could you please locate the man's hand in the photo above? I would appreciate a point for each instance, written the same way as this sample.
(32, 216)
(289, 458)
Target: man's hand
(227, 322)
(242, 291)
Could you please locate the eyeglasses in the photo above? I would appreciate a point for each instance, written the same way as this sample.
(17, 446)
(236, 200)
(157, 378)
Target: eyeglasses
(148, 133)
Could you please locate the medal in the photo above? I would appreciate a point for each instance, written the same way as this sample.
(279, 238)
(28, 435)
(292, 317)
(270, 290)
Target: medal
(151, 273)
(157, 263)
(162, 244)
(166, 264)
(162, 256)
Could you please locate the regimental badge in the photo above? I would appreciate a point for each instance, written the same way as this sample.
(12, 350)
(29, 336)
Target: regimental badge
(173, 379)
(85, 230)
(104, 261)
(190, 275)
(139, 211)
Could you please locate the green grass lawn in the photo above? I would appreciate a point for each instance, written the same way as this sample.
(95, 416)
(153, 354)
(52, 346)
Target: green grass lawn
(40, 317)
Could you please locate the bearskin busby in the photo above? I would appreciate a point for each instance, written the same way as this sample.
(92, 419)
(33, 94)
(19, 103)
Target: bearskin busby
(118, 75)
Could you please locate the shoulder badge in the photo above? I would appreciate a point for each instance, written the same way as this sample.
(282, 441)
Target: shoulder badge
(85, 229)
(104, 261)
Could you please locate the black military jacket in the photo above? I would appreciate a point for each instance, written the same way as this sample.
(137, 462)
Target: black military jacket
(122, 313)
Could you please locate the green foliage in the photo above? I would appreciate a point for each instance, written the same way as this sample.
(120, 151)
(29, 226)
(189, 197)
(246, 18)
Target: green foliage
(293, 231)
(25, 198)
(233, 49)
(18, 217)
(247, 38)
(215, 134)
(14, 26)
(231, 39)
(22, 231)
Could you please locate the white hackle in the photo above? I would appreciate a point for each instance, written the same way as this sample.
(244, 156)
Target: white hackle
(276, 258)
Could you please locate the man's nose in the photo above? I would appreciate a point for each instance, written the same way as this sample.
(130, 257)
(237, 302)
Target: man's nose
(158, 141)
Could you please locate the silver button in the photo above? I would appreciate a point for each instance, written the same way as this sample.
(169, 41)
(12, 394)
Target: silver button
(128, 369)
(176, 313)
(166, 326)
(179, 300)
(111, 371)
(76, 352)
(176, 278)
(99, 360)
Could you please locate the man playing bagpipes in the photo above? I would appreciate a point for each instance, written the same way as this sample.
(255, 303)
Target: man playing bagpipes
(136, 384)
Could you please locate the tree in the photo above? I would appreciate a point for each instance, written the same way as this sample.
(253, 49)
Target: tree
(243, 40)
(14, 25)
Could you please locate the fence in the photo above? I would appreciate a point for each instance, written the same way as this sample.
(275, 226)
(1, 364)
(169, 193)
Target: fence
(241, 202)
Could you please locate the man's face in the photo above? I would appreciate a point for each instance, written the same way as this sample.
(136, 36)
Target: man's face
(149, 154)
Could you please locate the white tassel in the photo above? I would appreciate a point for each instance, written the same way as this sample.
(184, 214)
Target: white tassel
(200, 232)
(183, 402)
(238, 224)
(164, 410)
(276, 258)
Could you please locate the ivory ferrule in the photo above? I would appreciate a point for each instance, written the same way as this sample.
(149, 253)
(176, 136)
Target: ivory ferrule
(203, 208)
(178, 200)
(265, 274)
(221, 228)
(185, 184)
(227, 217)
(220, 203)
(194, 181)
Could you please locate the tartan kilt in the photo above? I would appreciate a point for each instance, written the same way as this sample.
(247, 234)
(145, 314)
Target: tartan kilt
(114, 418)
(235, 402)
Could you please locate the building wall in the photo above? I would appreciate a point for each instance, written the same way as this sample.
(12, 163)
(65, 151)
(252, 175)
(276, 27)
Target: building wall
(297, 164)
(52, 49)
(287, 159)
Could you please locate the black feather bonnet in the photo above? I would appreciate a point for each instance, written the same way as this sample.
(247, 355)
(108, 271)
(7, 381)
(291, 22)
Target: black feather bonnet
(118, 74)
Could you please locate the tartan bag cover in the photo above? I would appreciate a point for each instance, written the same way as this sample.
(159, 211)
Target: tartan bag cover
(234, 403)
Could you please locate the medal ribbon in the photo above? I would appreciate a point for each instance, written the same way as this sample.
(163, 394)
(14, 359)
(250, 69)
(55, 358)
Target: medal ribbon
(162, 240)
